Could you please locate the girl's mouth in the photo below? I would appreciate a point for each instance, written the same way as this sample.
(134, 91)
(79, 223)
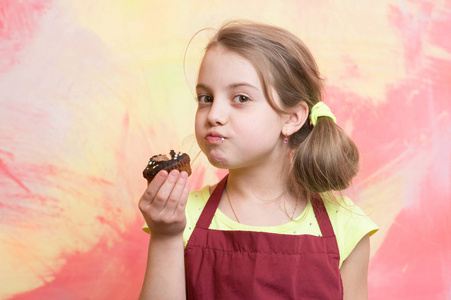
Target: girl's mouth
(214, 138)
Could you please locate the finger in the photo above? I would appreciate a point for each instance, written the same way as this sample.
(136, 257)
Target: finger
(153, 188)
(174, 197)
(160, 199)
(180, 209)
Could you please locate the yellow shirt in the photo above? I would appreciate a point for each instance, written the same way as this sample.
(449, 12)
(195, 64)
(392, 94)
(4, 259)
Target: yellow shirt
(349, 222)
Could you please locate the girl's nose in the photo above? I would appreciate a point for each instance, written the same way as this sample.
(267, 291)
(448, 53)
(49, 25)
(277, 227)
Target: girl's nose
(218, 114)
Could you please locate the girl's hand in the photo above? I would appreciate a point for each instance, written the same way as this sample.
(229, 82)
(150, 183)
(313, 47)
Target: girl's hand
(163, 203)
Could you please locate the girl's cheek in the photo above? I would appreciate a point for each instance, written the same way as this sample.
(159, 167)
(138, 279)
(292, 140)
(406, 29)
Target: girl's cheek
(198, 133)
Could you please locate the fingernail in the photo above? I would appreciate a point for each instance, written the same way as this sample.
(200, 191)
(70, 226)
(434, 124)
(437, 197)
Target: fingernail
(183, 175)
(174, 174)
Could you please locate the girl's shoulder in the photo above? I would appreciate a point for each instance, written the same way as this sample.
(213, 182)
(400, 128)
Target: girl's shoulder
(350, 224)
(343, 205)
(345, 212)
(199, 197)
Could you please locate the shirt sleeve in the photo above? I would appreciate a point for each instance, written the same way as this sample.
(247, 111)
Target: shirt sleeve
(145, 228)
(350, 224)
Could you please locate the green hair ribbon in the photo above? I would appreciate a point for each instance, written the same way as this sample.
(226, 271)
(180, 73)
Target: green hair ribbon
(320, 109)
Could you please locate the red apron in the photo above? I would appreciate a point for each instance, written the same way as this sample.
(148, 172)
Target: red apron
(257, 265)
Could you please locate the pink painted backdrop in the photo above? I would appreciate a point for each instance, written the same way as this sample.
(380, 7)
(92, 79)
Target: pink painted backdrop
(90, 89)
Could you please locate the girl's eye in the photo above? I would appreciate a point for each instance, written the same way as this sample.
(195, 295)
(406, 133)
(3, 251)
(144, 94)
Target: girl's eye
(241, 99)
(204, 99)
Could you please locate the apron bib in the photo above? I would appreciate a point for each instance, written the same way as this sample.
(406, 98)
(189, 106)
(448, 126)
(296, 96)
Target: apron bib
(258, 265)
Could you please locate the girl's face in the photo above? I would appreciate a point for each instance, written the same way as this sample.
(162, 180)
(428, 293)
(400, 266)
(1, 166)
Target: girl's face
(235, 125)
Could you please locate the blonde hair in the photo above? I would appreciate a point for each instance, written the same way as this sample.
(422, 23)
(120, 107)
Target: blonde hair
(325, 158)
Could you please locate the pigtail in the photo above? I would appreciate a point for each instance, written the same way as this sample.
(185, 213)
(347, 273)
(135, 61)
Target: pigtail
(326, 160)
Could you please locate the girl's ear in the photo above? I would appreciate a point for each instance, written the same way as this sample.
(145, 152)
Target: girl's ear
(296, 119)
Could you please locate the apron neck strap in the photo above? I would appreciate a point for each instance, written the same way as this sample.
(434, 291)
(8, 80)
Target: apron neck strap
(322, 217)
(212, 204)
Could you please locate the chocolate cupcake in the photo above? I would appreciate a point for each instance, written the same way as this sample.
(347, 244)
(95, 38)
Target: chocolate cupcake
(179, 161)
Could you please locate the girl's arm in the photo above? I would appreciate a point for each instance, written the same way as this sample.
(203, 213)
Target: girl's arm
(163, 207)
(165, 271)
(354, 271)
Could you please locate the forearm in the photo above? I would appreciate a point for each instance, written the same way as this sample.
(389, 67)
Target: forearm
(165, 271)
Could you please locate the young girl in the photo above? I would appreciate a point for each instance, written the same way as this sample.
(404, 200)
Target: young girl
(262, 232)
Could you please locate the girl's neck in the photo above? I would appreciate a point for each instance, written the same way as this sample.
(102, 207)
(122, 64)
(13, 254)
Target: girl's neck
(256, 185)
(264, 182)
(259, 194)
(260, 198)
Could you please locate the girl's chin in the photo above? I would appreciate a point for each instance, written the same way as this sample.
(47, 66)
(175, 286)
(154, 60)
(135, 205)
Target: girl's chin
(218, 163)
(217, 160)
